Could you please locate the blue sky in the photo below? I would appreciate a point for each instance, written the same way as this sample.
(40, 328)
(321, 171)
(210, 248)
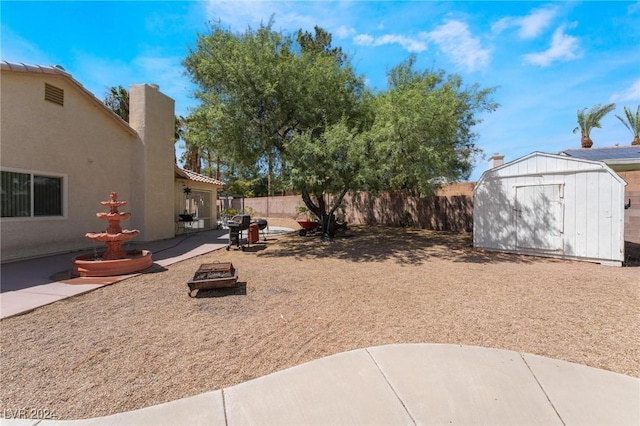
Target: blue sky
(548, 59)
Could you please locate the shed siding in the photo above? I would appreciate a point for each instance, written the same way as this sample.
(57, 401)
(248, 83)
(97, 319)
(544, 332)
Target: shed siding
(583, 199)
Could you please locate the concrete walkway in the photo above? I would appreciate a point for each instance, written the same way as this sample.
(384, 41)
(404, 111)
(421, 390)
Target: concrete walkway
(387, 385)
(408, 384)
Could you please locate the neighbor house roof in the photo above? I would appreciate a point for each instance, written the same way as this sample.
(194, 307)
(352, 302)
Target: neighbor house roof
(196, 177)
(618, 157)
(59, 71)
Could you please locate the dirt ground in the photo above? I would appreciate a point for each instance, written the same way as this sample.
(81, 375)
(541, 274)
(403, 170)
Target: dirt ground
(144, 341)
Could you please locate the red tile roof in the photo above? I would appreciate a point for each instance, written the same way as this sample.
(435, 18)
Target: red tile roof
(196, 177)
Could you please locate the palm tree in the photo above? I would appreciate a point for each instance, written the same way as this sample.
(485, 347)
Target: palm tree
(632, 123)
(117, 100)
(591, 119)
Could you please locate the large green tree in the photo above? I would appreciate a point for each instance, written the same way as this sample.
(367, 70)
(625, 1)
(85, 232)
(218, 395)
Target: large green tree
(412, 137)
(588, 120)
(423, 129)
(298, 104)
(268, 87)
(239, 74)
(327, 165)
(201, 153)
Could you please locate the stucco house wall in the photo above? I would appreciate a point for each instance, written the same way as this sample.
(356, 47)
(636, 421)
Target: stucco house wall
(205, 216)
(93, 151)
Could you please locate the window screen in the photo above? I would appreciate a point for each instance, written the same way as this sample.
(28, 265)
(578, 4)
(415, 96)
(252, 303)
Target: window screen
(27, 195)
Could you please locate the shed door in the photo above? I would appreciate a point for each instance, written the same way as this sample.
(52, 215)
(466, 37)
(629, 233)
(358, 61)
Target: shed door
(539, 217)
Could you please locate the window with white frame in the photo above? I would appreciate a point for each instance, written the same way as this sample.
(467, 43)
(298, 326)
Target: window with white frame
(31, 195)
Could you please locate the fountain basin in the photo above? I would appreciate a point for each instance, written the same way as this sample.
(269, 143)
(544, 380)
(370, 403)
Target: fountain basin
(122, 236)
(113, 216)
(86, 265)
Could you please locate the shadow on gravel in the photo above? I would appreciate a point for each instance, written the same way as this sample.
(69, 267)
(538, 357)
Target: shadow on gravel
(239, 290)
(632, 254)
(404, 245)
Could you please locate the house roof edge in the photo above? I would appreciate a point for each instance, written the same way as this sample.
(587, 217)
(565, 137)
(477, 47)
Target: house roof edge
(58, 70)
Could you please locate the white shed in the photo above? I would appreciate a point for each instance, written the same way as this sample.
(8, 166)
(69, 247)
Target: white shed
(551, 205)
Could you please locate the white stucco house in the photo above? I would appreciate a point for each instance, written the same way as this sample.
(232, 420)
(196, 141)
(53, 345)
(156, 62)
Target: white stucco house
(63, 152)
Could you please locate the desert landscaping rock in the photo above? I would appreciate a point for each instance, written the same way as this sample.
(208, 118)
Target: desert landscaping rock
(144, 341)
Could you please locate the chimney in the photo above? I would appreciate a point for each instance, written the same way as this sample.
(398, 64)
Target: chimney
(152, 116)
(496, 160)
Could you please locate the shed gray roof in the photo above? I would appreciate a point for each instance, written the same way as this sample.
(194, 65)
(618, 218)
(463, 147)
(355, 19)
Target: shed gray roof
(604, 154)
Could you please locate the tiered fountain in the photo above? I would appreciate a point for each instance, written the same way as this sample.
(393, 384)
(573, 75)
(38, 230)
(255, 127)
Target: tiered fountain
(115, 260)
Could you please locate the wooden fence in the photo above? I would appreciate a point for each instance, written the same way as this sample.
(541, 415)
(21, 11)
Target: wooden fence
(451, 209)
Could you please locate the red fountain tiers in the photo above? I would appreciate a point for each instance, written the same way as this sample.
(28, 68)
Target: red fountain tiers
(114, 236)
(114, 261)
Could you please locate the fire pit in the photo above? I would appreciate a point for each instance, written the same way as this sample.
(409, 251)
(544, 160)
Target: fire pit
(213, 275)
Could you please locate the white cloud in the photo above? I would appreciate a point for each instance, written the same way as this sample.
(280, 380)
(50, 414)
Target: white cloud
(364, 40)
(456, 41)
(238, 15)
(408, 43)
(343, 32)
(632, 93)
(531, 25)
(413, 45)
(563, 48)
(634, 7)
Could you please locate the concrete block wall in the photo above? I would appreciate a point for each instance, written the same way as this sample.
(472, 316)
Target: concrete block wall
(632, 214)
(450, 210)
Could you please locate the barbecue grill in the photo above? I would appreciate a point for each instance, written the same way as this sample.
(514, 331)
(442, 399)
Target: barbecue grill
(237, 225)
(262, 224)
(184, 221)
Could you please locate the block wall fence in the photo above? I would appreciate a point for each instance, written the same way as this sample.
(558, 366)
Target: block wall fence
(632, 214)
(451, 209)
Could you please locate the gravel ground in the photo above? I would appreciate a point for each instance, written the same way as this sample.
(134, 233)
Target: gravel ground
(144, 341)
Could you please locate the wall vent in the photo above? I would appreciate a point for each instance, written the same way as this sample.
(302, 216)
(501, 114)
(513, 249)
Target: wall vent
(53, 94)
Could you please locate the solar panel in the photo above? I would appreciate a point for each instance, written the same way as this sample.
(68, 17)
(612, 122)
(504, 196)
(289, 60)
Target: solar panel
(600, 154)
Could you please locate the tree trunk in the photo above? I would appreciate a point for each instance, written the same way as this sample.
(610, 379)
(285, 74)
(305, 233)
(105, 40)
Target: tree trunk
(636, 140)
(209, 167)
(319, 208)
(316, 207)
(192, 161)
(586, 141)
(269, 175)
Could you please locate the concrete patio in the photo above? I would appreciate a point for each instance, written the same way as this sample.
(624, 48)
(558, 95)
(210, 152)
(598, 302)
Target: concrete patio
(406, 384)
